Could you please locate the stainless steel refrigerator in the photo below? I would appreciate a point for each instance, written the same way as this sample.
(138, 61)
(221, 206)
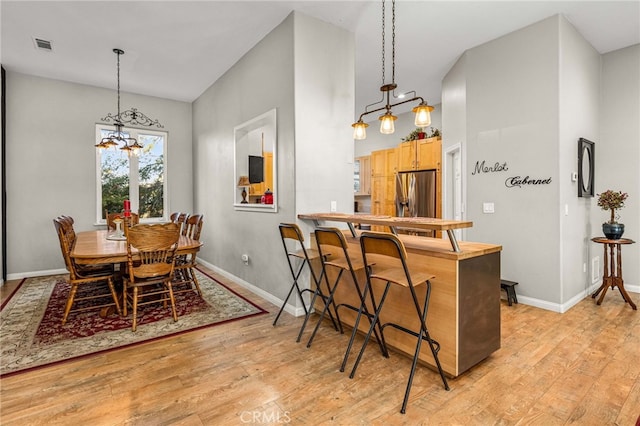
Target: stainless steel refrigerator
(416, 195)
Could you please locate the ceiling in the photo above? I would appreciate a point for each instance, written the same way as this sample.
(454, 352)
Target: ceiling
(177, 49)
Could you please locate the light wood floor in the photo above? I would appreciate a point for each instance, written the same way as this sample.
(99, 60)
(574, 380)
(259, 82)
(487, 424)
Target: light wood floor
(581, 367)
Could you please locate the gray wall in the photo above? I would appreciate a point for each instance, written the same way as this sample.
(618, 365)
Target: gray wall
(618, 153)
(579, 116)
(524, 99)
(303, 68)
(51, 162)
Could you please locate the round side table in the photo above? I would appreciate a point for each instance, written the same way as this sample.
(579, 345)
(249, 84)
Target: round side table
(613, 268)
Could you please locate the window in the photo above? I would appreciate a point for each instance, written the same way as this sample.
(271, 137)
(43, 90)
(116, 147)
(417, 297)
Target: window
(142, 180)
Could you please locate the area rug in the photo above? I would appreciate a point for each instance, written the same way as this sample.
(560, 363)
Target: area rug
(32, 336)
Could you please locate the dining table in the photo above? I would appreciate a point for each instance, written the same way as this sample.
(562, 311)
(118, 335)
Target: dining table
(103, 247)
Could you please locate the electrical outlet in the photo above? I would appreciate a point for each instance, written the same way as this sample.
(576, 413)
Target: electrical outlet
(334, 206)
(245, 259)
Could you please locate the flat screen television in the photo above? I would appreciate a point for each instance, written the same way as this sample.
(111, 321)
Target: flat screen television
(256, 169)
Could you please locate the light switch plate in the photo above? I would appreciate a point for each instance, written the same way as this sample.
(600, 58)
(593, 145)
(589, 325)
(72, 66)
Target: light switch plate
(488, 208)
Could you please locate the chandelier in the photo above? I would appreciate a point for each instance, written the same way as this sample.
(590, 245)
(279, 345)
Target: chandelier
(131, 117)
(422, 110)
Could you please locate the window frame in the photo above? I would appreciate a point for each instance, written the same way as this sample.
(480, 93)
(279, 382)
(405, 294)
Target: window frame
(134, 181)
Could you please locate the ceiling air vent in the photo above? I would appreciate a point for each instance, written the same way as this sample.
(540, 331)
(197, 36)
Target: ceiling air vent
(42, 44)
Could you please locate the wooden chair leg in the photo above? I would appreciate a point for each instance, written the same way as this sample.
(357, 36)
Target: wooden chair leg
(67, 308)
(195, 281)
(173, 302)
(114, 295)
(135, 308)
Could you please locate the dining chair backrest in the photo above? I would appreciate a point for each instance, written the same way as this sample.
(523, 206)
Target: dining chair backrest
(67, 238)
(193, 226)
(151, 250)
(133, 220)
(178, 217)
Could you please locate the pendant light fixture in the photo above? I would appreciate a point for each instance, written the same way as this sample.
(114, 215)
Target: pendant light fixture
(131, 117)
(387, 125)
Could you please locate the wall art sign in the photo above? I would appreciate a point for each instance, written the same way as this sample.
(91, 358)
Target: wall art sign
(482, 168)
(519, 182)
(586, 167)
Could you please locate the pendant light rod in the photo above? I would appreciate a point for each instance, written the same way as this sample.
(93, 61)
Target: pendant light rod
(422, 111)
(130, 117)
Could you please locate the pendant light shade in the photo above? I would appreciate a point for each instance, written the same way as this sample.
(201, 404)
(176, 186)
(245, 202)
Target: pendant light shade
(387, 123)
(387, 126)
(423, 115)
(359, 130)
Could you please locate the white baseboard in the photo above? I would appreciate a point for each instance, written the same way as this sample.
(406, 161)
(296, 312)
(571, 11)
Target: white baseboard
(297, 312)
(43, 273)
(564, 307)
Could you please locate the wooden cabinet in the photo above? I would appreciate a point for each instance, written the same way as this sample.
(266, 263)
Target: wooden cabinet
(384, 165)
(407, 156)
(362, 175)
(422, 154)
(429, 153)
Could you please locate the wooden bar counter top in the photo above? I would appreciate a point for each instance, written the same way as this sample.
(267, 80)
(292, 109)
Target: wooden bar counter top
(464, 310)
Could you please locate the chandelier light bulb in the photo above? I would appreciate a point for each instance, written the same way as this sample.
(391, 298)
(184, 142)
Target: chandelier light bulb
(423, 115)
(387, 123)
(359, 130)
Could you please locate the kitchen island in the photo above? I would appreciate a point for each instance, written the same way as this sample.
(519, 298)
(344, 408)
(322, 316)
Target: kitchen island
(464, 310)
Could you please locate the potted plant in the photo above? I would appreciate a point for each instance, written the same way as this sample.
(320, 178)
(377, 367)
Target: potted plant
(416, 134)
(612, 200)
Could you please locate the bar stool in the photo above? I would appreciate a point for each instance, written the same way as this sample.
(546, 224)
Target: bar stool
(389, 251)
(291, 231)
(332, 247)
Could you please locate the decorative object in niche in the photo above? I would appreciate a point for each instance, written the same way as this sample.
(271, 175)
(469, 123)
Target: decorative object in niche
(244, 183)
(586, 167)
(612, 200)
(255, 145)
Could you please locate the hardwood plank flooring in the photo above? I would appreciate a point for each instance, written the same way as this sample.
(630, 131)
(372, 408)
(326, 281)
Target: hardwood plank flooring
(581, 367)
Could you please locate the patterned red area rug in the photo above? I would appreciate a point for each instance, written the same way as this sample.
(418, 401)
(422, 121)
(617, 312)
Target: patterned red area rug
(32, 336)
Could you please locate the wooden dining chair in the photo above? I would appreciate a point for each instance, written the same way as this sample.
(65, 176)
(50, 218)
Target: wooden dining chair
(150, 258)
(185, 276)
(133, 220)
(96, 279)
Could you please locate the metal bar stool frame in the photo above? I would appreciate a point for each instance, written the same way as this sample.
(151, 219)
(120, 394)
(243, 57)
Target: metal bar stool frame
(333, 237)
(291, 231)
(389, 245)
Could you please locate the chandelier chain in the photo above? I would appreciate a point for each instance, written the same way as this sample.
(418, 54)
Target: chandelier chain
(393, 41)
(383, 41)
(118, 54)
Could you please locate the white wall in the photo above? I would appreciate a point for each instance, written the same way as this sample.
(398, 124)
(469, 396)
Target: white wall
(304, 69)
(258, 82)
(51, 162)
(579, 114)
(618, 153)
(324, 99)
(525, 99)
(512, 118)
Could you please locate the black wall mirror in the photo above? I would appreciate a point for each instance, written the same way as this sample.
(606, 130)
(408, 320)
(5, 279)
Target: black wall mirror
(586, 167)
